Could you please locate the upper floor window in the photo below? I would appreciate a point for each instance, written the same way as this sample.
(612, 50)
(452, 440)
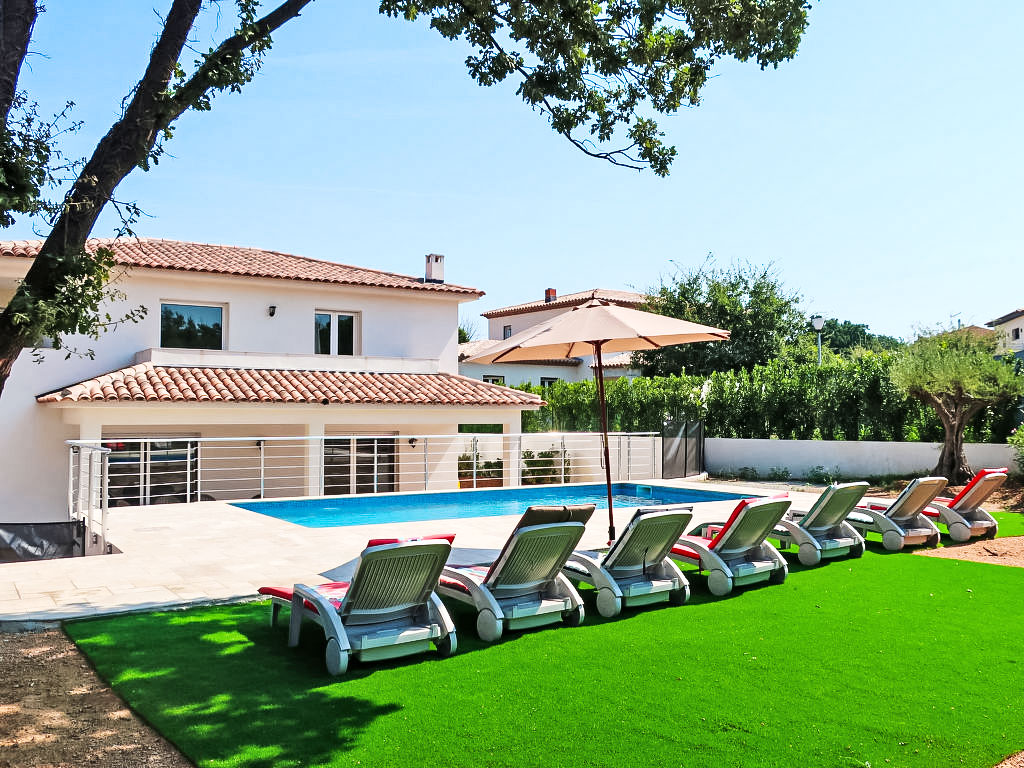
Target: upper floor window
(492, 379)
(336, 333)
(547, 381)
(1015, 334)
(506, 331)
(192, 326)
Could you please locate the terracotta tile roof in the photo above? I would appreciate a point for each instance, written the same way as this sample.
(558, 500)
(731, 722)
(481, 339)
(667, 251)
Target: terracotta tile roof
(471, 348)
(621, 360)
(155, 253)
(622, 298)
(179, 384)
(1005, 318)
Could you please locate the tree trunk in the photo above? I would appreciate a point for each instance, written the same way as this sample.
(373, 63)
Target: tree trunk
(952, 460)
(16, 20)
(125, 147)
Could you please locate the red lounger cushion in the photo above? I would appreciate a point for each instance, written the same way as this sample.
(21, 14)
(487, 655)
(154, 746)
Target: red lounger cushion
(334, 591)
(736, 513)
(449, 537)
(981, 474)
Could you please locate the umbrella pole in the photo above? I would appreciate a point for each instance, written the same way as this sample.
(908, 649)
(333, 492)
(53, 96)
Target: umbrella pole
(599, 375)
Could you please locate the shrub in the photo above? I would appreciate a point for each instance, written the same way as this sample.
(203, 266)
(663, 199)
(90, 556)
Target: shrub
(778, 473)
(1016, 439)
(819, 475)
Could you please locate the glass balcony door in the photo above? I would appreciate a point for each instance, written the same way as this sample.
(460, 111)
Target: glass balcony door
(359, 465)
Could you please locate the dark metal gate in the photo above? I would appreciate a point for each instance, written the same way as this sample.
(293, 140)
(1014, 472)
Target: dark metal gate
(682, 449)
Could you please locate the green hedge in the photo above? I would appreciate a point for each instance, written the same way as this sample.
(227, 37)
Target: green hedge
(845, 399)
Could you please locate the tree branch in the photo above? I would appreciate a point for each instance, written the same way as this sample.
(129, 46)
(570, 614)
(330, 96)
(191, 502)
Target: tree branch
(189, 94)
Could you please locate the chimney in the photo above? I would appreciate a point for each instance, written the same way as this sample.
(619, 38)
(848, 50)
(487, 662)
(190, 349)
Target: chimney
(435, 268)
(550, 294)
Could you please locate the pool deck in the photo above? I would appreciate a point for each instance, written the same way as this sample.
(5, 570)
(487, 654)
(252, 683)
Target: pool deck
(177, 555)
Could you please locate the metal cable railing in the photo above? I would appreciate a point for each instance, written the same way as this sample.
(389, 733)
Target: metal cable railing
(159, 470)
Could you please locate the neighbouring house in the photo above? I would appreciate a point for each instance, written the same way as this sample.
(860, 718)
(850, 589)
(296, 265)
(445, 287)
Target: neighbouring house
(1010, 328)
(507, 321)
(302, 368)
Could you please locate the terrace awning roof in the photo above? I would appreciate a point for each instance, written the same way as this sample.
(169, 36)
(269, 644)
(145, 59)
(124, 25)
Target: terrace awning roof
(186, 384)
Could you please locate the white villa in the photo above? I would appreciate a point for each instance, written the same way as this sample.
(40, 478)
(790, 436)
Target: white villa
(507, 321)
(1010, 330)
(304, 369)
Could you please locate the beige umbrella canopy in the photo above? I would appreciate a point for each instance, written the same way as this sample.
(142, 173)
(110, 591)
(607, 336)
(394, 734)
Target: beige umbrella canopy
(593, 329)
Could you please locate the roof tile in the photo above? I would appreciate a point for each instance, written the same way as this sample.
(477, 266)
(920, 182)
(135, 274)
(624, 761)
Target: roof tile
(622, 298)
(182, 384)
(156, 253)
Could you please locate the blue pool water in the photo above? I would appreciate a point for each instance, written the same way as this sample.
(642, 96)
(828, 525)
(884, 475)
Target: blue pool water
(406, 508)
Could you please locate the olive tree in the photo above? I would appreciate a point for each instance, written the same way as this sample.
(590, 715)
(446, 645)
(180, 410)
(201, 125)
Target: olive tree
(598, 72)
(957, 373)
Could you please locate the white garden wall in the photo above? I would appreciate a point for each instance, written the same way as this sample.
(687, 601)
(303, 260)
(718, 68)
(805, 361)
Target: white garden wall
(849, 459)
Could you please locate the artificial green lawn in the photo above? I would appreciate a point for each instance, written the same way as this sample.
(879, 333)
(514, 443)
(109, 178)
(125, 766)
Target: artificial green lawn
(888, 660)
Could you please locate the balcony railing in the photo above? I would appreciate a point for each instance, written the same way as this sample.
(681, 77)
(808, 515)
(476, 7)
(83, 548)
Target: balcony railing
(133, 470)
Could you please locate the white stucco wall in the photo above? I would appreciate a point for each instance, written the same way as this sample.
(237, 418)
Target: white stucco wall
(1005, 333)
(520, 373)
(850, 459)
(400, 331)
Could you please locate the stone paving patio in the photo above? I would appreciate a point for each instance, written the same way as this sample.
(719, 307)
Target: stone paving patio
(181, 554)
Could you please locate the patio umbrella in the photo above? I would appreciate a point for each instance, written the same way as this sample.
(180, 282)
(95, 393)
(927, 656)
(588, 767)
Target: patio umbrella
(595, 328)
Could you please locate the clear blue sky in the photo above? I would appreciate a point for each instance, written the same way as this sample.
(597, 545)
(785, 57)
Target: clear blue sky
(880, 170)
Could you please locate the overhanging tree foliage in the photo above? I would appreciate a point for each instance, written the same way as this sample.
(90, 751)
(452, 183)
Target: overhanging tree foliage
(597, 71)
(957, 374)
(749, 301)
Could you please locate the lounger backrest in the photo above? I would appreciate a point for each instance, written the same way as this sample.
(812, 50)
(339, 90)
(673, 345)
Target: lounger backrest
(833, 506)
(982, 485)
(545, 515)
(749, 525)
(533, 557)
(915, 497)
(647, 539)
(392, 580)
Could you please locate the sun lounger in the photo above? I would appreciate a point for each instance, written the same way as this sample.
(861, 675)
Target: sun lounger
(523, 586)
(736, 552)
(902, 521)
(822, 531)
(962, 514)
(636, 570)
(389, 608)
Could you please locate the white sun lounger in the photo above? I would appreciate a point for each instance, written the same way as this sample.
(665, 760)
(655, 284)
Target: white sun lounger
(823, 531)
(523, 586)
(962, 514)
(737, 553)
(902, 521)
(636, 570)
(389, 609)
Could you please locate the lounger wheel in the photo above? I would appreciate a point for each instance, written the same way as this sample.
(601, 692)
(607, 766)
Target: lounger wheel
(446, 645)
(488, 628)
(719, 583)
(574, 616)
(337, 659)
(991, 533)
(892, 541)
(679, 596)
(808, 554)
(935, 538)
(608, 604)
(959, 532)
(778, 575)
(857, 550)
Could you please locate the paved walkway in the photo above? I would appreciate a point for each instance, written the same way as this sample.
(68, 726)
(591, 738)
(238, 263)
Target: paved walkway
(182, 554)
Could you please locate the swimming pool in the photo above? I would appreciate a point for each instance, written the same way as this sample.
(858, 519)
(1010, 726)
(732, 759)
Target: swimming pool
(336, 511)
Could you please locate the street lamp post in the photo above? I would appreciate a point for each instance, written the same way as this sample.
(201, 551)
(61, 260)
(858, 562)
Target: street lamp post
(818, 322)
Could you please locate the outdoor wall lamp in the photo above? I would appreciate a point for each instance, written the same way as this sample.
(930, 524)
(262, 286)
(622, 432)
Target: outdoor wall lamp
(272, 310)
(412, 442)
